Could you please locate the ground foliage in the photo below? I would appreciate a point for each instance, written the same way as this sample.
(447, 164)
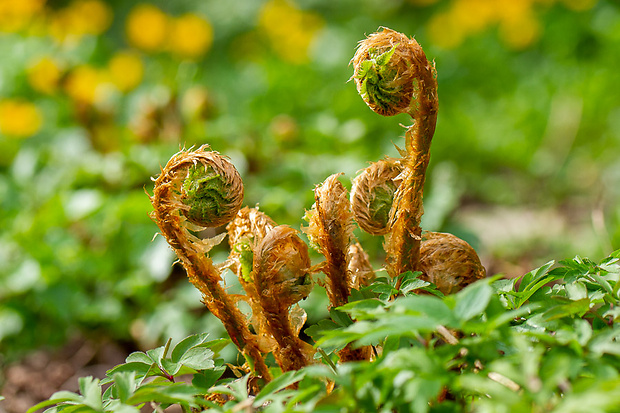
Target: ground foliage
(546, 341)
(524, 121)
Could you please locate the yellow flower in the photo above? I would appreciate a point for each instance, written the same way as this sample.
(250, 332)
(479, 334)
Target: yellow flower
(91, 16)
(19, 118)
(16, 14)
(147, 27)
(445, 31)
(422, 2)
(475, 15)
(190, 36)
(290, 31)
(44, 76)
(579, 5)
(79, 18)
(521, 32)
(518, 25)
(126, 70)
(83, 84)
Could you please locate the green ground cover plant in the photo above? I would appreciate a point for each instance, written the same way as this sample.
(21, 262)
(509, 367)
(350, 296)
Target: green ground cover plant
(433, 334)
(546, 341)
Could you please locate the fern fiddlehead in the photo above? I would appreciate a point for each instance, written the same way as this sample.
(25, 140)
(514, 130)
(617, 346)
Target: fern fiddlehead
(281, 278)
(330, 229)
(372, 195)
(393, 76)
(196, 190)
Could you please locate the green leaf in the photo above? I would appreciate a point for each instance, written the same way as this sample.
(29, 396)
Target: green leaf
(56, 398)
(578, 307)
(203, 380)
(125, 384)
(508, 316)
(139, 368)
(116, 406)
(363, 308)
(533, 276)
(317, 330)
(187, 343)
(279, 383)
(163, 392)
(198, 358)
(431, 306)
(139, 357)
(472, 300)
(340, 317)
(216, 345)
(238, 389)
(156, 355)
(91, 390)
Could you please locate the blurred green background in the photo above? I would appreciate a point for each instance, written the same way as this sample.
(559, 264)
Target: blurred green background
(96, 95)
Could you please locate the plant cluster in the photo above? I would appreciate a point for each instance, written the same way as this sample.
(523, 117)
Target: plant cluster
(420, 339)
(544, 342)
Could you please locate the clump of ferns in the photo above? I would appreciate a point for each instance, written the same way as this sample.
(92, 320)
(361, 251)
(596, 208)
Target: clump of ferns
(200, 189)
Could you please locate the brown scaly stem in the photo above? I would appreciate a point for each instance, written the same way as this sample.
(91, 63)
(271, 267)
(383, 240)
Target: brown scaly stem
(331, 231)
(281, 277)
(245, 232)
(182, 201)
(393, 76)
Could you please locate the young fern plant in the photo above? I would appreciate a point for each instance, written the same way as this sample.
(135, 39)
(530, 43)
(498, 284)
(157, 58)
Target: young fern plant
(202, 189)
(197, 190)
(393, 76)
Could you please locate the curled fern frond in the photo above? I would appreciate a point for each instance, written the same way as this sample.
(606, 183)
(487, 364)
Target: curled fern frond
(245, 231)
(281, 267)
(212, 190)
(331, 230)
(372, 195)
(184, 201)
(281, 278)
(387, 67)
(449, 262)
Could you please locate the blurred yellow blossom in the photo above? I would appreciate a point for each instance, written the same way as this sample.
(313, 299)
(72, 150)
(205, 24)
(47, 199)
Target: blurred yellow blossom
(520, 32)
(290, 31)
(423, 2)
(126, 70)
(579, 5)
(84, 83)
(147, 27)
(16, 14)
(190, 36)
(518, 24)
(81, 17)
(19, 118)
(44, 75)
(445, 31)
(94, 16)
